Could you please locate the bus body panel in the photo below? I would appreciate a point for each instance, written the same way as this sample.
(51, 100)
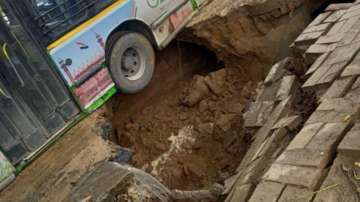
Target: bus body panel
(80, 54)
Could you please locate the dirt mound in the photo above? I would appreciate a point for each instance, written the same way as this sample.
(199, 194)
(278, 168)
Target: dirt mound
(193, 136)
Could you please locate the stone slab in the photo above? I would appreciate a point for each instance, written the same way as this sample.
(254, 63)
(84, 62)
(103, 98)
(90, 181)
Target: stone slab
(294, 175)
(339, 88)
(267, 192)
(294, 194)
(350, 145)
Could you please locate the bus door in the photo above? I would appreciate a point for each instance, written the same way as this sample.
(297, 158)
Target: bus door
(34, 103)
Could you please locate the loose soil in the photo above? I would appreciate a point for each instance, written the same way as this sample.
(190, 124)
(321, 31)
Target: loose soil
(189, 134)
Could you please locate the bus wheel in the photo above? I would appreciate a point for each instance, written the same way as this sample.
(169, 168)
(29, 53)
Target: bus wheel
(131, 61)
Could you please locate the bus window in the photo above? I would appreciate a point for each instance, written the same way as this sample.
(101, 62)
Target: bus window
(56, 17)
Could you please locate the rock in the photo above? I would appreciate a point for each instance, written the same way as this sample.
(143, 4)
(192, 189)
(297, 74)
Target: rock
(197, 91)
(216, 81)
(225, 121)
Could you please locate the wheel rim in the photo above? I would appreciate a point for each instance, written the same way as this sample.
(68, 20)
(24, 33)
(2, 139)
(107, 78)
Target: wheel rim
(132, 64)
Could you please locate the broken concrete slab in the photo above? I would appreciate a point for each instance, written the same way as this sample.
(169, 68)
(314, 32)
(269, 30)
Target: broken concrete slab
(258, 113)
(350, 145)
(339, 88)
(294, 194)
(267, 192)
(294, 175)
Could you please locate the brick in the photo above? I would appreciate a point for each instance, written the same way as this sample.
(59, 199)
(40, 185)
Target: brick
(352, 12)
(304, 136)
(338, 6)
(317, 63)
(353, 69)
(240, 193)
(269, 92)
(354, 92)
(339, 88)
(319, 49)
(277, 71)
(290, 123)
(308, 38)
(304, 157)
(258, 113)
(318, 28)
(332, 73)
(339, 105)
(267, 192)
(351, 35)
(350, 145)
(335, 16)
(289, 85)
(328, 136)
(293, 194)
(342, 188)
(294, 175)
(272, 143)
(334, 35)
(343, 53)
(320, 18)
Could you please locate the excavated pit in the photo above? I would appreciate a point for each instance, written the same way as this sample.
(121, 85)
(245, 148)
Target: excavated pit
(186, 128)
(193, 108)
